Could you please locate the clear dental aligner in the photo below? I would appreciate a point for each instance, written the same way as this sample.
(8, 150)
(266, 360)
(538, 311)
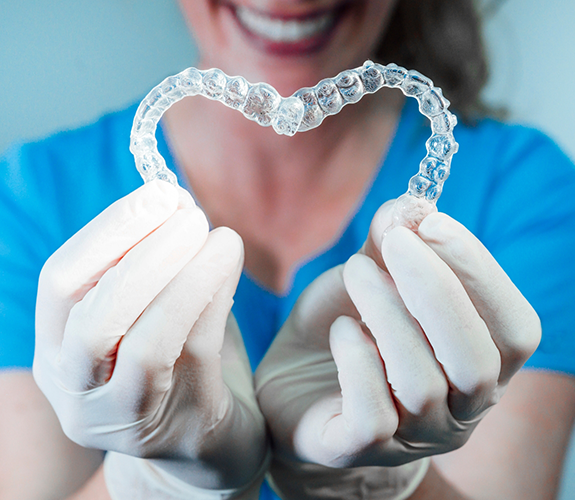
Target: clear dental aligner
(305, 110)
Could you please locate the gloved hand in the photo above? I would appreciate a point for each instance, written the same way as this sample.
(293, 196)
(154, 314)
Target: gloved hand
(138, 353)
(392, 357)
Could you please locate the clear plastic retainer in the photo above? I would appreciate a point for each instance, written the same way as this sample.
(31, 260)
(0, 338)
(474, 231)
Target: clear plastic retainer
(305, 110)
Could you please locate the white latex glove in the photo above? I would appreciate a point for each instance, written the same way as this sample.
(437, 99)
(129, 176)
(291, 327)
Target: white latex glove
(390, 358)
(137, 352)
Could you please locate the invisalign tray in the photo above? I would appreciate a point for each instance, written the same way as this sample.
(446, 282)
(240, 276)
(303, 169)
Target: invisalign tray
(305, 110)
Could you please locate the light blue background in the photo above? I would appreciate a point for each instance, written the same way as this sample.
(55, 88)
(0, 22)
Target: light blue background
(64, 63)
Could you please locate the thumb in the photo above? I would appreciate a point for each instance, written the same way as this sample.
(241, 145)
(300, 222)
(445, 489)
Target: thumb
(381, 221)
(408, 211)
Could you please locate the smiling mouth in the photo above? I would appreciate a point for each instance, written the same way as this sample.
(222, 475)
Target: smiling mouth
(288, 35)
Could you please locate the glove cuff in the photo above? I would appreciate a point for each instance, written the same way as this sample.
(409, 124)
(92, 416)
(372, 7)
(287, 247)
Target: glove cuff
(416, 480)
(301, 481)
(139, 479)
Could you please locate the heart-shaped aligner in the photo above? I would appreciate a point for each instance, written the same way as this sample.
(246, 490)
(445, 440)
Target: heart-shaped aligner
(305, 110)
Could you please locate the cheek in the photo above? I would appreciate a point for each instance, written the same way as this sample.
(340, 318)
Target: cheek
(367, 29)
(378, 16)
(200, 16)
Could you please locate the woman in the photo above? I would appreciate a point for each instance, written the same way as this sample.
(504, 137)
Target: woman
(136, 350)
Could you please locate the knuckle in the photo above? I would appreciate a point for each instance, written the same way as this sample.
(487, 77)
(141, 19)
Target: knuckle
(485, 384)
(531, 335)
(483, 379)
(376, 430)
(481, 383)
(481, 376)
(430, 393)
(525, 338)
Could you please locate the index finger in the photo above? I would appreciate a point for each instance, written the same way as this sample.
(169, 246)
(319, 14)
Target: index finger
(512, 322)
(77, 265)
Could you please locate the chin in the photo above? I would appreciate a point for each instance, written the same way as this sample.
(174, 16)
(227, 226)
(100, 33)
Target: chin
(293, 45)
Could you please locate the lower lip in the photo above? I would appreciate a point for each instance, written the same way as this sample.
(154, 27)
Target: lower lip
(300, 48)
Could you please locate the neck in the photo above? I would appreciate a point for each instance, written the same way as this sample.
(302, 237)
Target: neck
(222, 143)
(263, 185)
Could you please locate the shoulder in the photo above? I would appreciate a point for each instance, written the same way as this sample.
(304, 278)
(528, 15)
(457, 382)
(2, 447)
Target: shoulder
(73, 155)
(508, 175)
(49, 189)
(505, 146)
(72, 175)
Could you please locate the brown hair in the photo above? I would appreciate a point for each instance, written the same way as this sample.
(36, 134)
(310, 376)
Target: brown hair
(441, 39)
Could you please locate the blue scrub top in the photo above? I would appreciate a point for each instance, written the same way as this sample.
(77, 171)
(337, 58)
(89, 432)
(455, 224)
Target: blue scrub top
(510, 185)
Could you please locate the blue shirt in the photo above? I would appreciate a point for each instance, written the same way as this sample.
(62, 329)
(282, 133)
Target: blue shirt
(511, 186)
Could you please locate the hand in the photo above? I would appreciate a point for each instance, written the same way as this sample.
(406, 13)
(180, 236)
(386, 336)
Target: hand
(136, 348)
(395, 355)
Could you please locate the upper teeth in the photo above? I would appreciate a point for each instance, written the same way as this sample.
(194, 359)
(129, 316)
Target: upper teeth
(279, 30)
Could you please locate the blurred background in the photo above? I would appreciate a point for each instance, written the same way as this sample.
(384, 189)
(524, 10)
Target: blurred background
(63, 64)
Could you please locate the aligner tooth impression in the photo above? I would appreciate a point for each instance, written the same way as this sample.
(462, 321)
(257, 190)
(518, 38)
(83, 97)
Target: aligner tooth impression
(305, 110)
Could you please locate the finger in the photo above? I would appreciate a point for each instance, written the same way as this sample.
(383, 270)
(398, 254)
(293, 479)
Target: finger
(97, 323)
(336, 429)
(320, 304)
(220, 263)
(379, 224)
(298, 368)
(185, 199)
(184, 327)
(367, 406)
(236, 369)
(514, 325)
(437, 300)
(416, 379)
(78, 265)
